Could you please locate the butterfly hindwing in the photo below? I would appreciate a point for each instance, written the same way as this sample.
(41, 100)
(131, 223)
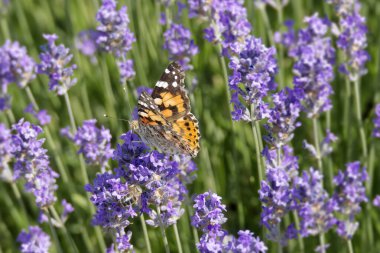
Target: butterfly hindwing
(188, 131)
(170, 95)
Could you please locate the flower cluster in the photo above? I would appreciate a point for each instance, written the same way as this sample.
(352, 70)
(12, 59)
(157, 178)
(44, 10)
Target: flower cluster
(32, 163)
(94, 143)
(179, 44)
(5, 153)
(314, 206)
(54, 63)
(314, 57)
(42, 116)
(349, 194)
(35, 240)
(376, 122)
(283, 117)
(85, 42)
(276, 192)
(227, 20)
(376, 201)
(144, 182)
(254, 68)
(115, 36)
(325, 146)
(209, 217)
(16, 65)
(352, 38)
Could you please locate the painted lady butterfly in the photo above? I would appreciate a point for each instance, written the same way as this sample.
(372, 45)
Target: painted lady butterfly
(164, 117)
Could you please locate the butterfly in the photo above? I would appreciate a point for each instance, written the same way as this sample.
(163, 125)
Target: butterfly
(164, 117)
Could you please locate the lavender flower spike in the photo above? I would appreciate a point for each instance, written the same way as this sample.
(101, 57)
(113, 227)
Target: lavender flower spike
(179, 44)
(94, 143)
(376, 122)
(254, 68)
(16, 65)
(32, 163)
(55, 62)
(35, 240)
(349, 194)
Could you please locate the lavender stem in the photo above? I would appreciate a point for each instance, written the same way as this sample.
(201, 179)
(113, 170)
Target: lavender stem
(163, 232)
(177, 238)
(146, 237)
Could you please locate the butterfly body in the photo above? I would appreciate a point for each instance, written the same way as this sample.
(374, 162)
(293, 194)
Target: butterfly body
(164, 117)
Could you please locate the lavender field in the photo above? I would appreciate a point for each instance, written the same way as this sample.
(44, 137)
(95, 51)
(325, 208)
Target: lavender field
(285, 95)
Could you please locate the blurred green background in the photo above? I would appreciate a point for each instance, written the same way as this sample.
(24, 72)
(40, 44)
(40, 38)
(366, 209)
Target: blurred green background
(227, 160)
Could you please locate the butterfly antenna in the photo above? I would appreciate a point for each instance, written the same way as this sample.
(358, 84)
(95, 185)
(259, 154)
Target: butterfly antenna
(107, 116)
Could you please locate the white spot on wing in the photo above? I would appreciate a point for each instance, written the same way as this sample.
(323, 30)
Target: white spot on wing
(175, 77)
(174, 84)
(162, 84)
(167, 71)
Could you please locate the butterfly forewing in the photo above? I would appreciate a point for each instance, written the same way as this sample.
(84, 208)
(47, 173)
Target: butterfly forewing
(170, 95)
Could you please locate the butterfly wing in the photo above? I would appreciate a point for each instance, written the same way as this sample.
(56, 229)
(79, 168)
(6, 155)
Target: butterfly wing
(170, 94)
(187, 130)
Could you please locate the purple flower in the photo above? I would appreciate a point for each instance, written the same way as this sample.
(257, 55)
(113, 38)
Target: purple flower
(126, 70)
(227, 20)
(16, 65)
(94, 143)
(276, 192)
(5, 153)
(254, 68)
(32, 163)
(352, 38)
(349, 194)
(344, 7)
(35, 240)
(314, 206)
(313, 70)
(55, 62)
(247, 243)
(283, 117)
(209, 217)
(85, 42)
(376, 122)
(115, 201)
(208, 212)
(180, 46)
(114, 34)
(325, 146)
(376, 201)
(67, 209)
(123, 241)
(200, 8)
(4, 102)
(42, 116)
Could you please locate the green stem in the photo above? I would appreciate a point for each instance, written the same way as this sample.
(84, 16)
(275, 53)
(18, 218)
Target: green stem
(360, 122)
(163, 232)
(63, 227)
(177, 238)
(146, 237)
(322, 242)
(54, 233)
(350, 248)
(281, 47)
(19, 199)
(317, 144)
(267, 25)
(257, 148)
(300, 240)
(49, 139)
(70, 111)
